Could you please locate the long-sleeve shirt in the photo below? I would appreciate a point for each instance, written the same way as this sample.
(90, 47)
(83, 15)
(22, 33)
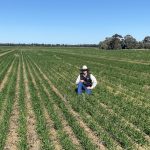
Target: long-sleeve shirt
(94, 81)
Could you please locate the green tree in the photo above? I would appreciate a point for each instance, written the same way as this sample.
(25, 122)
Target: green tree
(146, 42)
(130, 42)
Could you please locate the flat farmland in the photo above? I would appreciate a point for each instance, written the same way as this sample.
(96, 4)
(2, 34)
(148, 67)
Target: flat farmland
(39, 109)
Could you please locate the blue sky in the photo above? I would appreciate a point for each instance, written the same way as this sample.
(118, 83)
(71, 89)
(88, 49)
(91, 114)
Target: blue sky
(72, 21)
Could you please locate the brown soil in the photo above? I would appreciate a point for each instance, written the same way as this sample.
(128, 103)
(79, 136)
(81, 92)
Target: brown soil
(12, 137)
(32, 136)
(6, 53)
(88, 131)
(4, 81)
(117, 145)
(127, 60)
(1, 88)
(52, 131)
(66, 127)
(91, 134)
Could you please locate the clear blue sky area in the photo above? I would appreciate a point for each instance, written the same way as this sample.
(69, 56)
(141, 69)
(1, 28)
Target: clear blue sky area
(72, 21)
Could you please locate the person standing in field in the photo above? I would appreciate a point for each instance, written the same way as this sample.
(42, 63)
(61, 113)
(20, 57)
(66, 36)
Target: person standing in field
(85, 81)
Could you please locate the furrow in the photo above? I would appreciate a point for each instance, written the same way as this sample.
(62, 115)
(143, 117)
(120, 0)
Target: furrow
(6, 76)
(6, 53)
(52, 131)
(89, 132)
(32, 136)
(12, 137)
(66, 127)
(2, 86)
(110, 110)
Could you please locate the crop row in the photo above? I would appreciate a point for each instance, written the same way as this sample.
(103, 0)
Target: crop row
(61, 85)
(124, 103)
(9, 93)
(79, 132)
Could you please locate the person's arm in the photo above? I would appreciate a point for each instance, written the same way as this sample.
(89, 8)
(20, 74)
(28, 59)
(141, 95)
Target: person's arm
(78, 80)
(94, 82)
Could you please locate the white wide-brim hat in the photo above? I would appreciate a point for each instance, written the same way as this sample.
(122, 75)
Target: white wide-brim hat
(84, 67)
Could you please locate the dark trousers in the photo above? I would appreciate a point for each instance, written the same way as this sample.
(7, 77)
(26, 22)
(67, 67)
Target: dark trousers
(82, 87)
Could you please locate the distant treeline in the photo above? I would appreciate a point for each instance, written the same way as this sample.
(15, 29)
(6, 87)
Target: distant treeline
(110, 43)
(49, 45)
(127, 42)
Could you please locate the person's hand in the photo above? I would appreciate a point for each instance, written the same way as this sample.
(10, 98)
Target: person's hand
(89, 88)
(82, 81)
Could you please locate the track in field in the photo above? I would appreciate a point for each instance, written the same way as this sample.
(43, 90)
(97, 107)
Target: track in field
(40, 110)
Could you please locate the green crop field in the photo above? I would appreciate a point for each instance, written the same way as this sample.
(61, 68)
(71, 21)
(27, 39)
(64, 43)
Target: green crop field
(39, 108)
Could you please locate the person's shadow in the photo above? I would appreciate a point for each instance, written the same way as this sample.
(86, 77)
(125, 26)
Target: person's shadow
(76, 90)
